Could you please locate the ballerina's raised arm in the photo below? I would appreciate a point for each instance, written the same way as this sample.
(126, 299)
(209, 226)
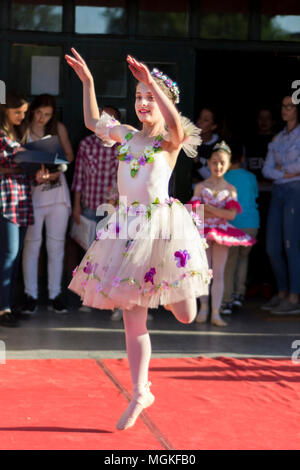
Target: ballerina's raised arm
(115, 132)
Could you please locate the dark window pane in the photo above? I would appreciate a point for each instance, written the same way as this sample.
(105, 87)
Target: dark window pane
(224, 20)
(100, 17)
(25, 59)
(109, 77)
(167, 18)
(33, 16)
(280, 21)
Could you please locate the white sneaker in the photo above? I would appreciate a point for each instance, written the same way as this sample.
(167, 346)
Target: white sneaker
(117, 315)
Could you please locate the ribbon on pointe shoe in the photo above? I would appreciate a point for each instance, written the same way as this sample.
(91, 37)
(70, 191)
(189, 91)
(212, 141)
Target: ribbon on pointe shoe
(141, 398)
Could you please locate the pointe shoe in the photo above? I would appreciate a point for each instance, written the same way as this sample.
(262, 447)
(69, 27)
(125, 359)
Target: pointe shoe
(141, 398)
(217, 321)
(201, 317)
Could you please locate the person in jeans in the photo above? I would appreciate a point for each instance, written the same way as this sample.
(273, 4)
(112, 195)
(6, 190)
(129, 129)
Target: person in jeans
(16, 212)
(283, 228)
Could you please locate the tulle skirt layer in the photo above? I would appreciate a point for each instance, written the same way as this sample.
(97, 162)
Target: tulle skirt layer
(226, 234)
(144, 255)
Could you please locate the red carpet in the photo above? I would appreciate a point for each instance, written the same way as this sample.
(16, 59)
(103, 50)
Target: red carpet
(201, 403)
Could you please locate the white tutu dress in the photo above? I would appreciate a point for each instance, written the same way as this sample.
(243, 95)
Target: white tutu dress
(149, 251)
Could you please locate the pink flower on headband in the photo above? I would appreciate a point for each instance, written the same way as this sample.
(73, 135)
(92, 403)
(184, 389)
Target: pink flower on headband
(168, 82)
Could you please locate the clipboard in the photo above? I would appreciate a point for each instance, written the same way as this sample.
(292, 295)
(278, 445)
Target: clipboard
(47, 151)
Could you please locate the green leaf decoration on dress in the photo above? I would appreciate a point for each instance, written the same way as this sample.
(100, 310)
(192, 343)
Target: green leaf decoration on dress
(146, 157)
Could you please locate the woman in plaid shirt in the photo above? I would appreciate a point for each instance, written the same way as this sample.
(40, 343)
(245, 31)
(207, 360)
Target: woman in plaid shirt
(15, 201)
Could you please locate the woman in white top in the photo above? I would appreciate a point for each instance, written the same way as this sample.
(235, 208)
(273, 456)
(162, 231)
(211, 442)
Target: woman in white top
(52, 206)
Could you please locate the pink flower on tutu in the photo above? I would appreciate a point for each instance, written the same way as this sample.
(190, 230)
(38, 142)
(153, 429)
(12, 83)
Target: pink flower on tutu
(90, 268)
(116, 281)
(75, 271)
(149, 275)
(84, 283)
(114, 228)
(182, 257)
(184, 275)
(196, 218)
(165, 285)
(99, 287)
(99, 234)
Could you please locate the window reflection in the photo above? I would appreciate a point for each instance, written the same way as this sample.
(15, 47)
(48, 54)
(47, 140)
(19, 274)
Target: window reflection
(21, 64)
(280, 22)
(224, 20)
(101, 17)
(163, 18)
(45, 16)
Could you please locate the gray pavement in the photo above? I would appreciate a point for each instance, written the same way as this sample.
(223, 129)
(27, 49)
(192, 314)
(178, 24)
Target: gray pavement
(251, 332)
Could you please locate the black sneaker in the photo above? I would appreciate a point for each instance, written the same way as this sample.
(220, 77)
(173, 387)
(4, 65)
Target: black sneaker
(58, 305)
(238, 301)
(30, 305)
(226, 308)
(8, 319)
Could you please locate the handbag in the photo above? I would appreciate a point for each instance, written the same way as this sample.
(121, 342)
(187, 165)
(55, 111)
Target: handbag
(84, 233)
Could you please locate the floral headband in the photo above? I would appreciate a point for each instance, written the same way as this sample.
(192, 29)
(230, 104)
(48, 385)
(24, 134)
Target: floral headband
(222, 146)
(168, 82)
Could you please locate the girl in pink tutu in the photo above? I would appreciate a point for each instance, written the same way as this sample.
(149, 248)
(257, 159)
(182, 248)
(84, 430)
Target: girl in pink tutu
(220, 205)
(163, 261)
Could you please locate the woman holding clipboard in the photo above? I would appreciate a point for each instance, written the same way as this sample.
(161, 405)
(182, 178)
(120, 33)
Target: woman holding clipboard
(52, 207)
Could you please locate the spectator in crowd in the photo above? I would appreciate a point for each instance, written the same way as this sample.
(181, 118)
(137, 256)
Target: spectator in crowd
(282, 165)
(16, 212)
(236, 269)
(95, 179)
(52, 207)
(260, 274)
(207, 122)
(220, 206)
(96, 168)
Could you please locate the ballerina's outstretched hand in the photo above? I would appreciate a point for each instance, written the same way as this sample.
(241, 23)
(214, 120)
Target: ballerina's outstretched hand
(79, 66)
(139, 71)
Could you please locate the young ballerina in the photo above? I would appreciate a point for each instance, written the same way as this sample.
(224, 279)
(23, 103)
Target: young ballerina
(220, 206)
(143, 268)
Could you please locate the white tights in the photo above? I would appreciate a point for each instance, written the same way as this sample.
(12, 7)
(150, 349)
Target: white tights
(138, 347)
(138, 343)
(216, 256)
